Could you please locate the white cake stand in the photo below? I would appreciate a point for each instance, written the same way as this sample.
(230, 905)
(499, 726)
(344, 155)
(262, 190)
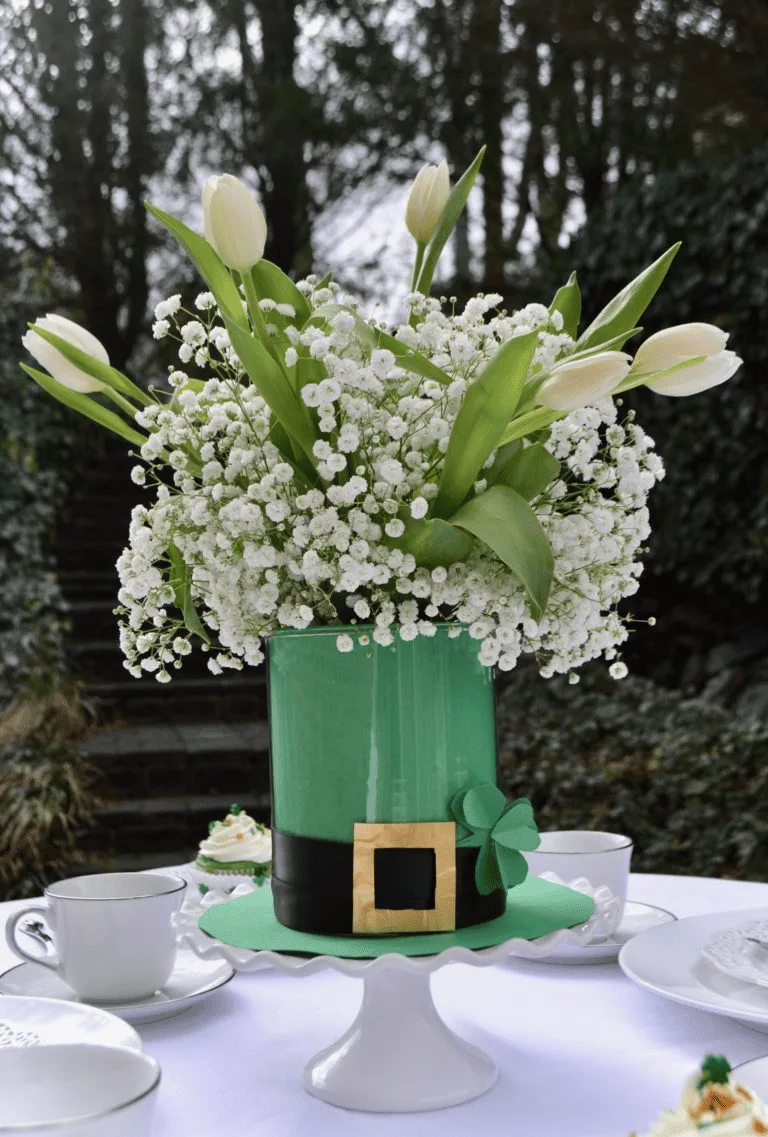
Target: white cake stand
(398, 1056)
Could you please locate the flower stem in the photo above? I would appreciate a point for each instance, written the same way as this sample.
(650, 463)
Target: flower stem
(254, 309)
(121, 402)
(418, 262)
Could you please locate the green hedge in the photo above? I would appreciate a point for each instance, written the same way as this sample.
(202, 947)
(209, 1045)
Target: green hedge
(685, 779)
(710, 515)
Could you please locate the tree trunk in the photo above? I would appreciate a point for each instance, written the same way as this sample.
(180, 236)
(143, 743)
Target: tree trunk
(487, 56)
(139, 164)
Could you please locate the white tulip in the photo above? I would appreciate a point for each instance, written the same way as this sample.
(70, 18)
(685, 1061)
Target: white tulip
(687, 341)
(684, 341)
(698, 377)
(233, 222)
(58, 365)
(582, 382)
(426, 201)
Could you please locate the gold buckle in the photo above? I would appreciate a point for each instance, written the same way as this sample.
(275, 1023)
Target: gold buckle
(369, 836)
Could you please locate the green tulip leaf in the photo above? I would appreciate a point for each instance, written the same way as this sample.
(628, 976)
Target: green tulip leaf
(85, 405)
(208, 263)
(452, 210)
(615, 344)
(529, 423)
(567, 302)
(528, 470)
(488, 404)
(309, 370)
(181, 583)
(104, 372)
(482, 805)
(274, 387)
(623, 312)
(270, 281)
(434, 542)
(504, 521)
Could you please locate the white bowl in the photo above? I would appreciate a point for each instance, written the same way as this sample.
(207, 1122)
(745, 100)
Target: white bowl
(76, 1090)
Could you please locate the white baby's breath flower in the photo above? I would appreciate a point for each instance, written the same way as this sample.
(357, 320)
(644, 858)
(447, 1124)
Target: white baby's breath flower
(344, 643)
(265, 552)
(168, 307)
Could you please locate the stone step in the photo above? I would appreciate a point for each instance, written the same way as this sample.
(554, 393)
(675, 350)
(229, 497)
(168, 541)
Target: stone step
(99, 555)
(217, 699)
(94, 620)
(170, 828)
(143, 762)
(102, 661)
(107, 522)
(85, 583)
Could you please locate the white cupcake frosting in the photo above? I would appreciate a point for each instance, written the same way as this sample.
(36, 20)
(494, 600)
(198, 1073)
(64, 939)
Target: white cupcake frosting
(237, 838)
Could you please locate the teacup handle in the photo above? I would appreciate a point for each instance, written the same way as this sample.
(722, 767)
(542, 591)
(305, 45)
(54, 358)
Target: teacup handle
(36, 931)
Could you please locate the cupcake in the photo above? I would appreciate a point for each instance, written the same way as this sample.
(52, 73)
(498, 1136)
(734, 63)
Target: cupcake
(236, 849)
(714, 1104)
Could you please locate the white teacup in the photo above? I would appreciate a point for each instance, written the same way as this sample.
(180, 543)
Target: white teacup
(603, 858)
(111, 935)
(76, 1090)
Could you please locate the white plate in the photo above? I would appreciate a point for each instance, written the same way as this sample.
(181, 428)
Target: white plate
(732, 952)
(27, 1021)
(668, 961)
(753, 1075)
(637, 918)
(193, 979)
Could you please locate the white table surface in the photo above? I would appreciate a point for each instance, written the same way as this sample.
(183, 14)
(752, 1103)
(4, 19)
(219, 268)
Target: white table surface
(582, 1051)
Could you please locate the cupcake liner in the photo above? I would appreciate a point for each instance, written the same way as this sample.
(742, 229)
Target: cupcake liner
(220, 881)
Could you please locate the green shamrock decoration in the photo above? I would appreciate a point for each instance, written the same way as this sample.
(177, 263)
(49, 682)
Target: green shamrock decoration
(716, 1069)
(501, 829)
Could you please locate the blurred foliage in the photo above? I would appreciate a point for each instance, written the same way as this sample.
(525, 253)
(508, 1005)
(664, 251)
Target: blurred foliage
(710, 514)
(44, 800)
(684, 779)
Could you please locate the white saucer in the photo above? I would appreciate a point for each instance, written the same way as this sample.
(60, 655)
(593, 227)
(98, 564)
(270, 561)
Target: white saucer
(637, 918)
(26, 1021)
(753, 1075)
(193, 979)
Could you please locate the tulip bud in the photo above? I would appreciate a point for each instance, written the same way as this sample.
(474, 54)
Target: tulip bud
(675, 345)
(582, 382)
(49, 357)
(699, 376)
(233, 222)
(426, 201)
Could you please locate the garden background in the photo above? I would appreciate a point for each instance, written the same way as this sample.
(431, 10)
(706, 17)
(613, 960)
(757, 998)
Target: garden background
(614, 128)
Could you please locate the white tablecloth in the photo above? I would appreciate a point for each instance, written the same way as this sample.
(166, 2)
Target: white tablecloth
(582, 1051)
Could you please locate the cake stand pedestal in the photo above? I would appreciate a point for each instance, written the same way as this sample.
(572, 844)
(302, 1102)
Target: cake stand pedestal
(399, 1056)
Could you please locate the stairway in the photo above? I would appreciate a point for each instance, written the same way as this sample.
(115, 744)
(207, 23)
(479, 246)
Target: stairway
(167, 758)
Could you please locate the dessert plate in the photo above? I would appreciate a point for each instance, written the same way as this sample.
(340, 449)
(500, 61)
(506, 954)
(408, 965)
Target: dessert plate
(736, 953)
(192, 980)
(668, 960)
(28, 1021)
(753, 1075)
(637, 918)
